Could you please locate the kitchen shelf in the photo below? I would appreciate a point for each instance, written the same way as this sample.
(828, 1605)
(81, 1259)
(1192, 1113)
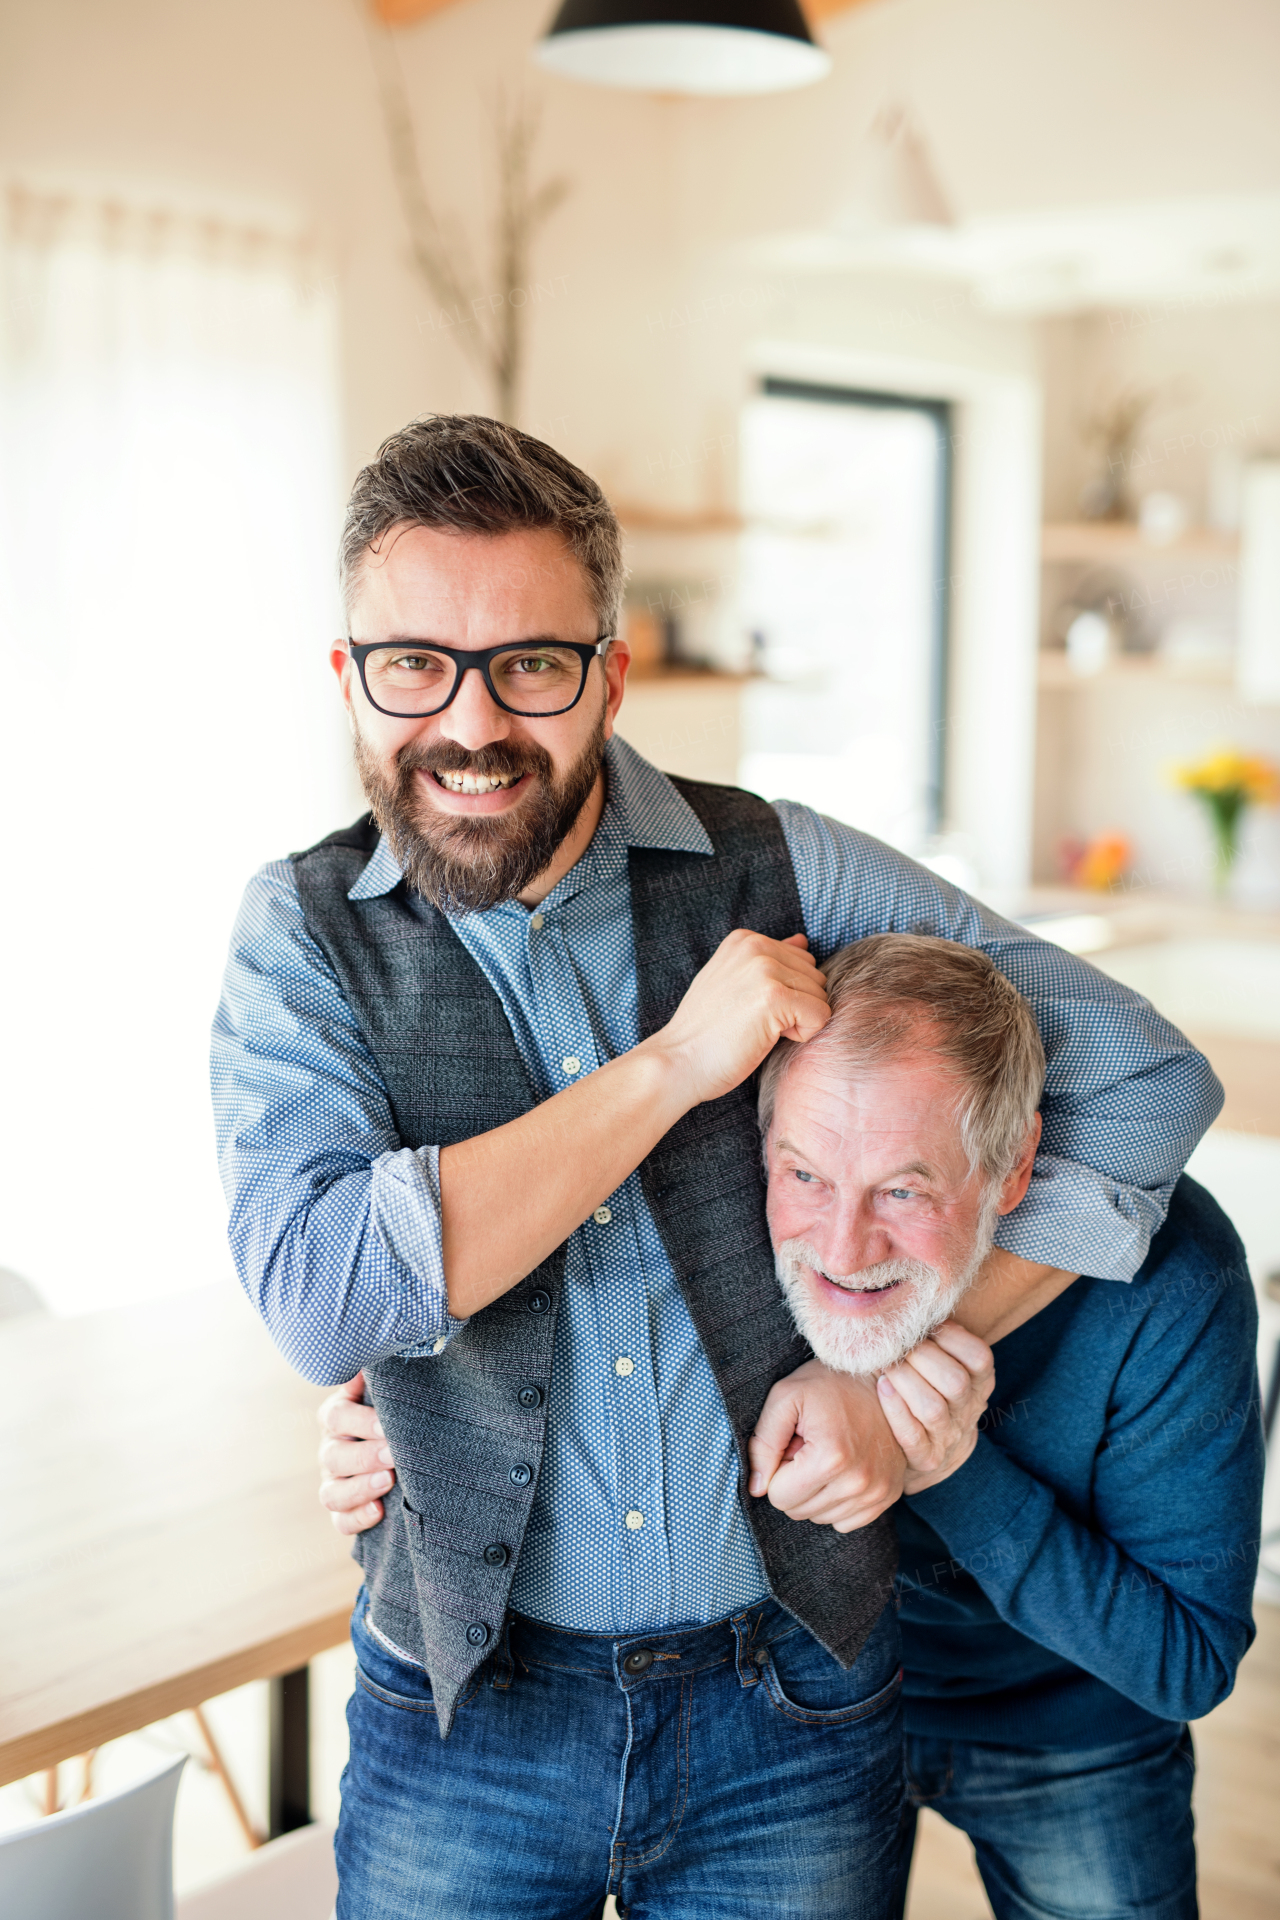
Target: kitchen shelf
(1102, 540)
(1054, 672)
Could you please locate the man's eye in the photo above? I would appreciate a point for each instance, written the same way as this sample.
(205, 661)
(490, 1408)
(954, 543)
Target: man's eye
(801, 1175)
(902, 1193)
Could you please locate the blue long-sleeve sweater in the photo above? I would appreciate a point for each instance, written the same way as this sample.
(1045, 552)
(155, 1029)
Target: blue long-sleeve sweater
(1088, 1573)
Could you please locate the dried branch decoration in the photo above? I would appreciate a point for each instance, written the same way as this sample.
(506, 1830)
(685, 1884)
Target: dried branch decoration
(489, 315)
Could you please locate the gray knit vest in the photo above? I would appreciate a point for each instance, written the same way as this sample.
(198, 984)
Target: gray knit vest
(468, 1427)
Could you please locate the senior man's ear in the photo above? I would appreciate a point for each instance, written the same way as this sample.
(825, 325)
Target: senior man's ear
(1017, 1181)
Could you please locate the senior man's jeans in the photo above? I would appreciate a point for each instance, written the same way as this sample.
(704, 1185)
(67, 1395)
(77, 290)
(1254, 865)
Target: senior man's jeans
(1093, 1833)
(711, 1773)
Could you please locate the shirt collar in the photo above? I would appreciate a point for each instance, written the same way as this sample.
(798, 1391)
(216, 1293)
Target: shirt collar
(643, 809)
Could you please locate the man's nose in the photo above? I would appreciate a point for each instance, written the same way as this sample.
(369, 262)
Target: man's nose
(473, 718)
(855, 1239)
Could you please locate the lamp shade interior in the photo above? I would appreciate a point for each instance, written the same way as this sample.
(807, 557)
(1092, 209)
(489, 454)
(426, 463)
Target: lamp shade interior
(684, 46)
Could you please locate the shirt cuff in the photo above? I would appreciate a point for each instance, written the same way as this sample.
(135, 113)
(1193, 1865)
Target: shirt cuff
(1076, 1218)
(980, 1500)
(404, 1209)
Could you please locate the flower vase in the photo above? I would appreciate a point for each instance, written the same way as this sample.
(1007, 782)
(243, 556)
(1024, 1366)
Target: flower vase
(1224, 810)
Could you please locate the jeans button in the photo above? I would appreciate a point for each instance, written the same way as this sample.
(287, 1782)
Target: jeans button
(497, 1555)
(520, 1476)
(539, 1302)
(477, 1633)
(639, 1660)
(530, 1397)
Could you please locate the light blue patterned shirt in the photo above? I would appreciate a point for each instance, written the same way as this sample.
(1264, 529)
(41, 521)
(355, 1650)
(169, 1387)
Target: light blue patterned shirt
(335, 1225)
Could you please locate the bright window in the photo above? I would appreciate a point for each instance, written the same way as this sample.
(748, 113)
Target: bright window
(844, 579)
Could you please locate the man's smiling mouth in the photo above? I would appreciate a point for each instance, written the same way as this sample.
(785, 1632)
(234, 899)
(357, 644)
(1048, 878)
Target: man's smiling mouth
(476, 782)
(851, 1284)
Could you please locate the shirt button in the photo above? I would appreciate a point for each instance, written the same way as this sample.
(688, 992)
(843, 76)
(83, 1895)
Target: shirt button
(634, 1522)
(624, 1366)
(537, 923)
(521, 1476)
(571, 1063)
(602, 1216)
(440, 1345)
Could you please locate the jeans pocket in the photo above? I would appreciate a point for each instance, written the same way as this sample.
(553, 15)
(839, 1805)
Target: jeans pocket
(804, 1682)
(395, 1681)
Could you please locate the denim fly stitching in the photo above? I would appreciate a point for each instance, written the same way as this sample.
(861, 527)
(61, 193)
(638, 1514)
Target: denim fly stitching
(620, 1853)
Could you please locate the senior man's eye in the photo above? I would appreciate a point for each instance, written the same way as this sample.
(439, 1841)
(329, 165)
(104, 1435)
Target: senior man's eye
(902, 1193)
(802, 1175)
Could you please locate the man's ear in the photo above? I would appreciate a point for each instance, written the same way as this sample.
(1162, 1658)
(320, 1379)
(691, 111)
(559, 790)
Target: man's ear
(1019, 1178)
(616, 662)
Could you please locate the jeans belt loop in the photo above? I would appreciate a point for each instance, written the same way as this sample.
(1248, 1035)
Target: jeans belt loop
(744, 1631)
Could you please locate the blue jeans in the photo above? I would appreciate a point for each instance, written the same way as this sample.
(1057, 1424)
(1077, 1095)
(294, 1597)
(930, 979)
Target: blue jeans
(1103, 1833)
(729, 1770)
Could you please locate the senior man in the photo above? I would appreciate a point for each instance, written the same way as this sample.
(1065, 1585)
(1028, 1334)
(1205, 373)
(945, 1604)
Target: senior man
(480, 1070)
(1077, 1578)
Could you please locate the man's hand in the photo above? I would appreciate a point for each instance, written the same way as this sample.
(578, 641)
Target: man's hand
(824, 1451)
(752, 993)
(934, 1400)
(355, 1460)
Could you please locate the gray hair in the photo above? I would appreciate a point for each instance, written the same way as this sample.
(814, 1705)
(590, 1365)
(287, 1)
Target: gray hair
(475, 475)
(896, 993)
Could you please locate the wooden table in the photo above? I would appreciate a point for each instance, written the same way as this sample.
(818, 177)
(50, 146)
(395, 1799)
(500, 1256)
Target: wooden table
(160, 1537)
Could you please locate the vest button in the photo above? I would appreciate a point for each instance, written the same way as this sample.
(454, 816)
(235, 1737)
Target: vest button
(520, 1476)
(639, 1660)
(530, 1397)
(478, 1633)
(497, 1555)
(539, 1302)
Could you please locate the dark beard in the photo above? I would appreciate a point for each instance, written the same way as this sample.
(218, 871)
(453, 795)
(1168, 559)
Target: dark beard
(467, 865)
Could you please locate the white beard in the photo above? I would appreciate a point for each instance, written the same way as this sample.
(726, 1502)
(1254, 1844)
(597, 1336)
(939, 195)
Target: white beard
(870, 1344)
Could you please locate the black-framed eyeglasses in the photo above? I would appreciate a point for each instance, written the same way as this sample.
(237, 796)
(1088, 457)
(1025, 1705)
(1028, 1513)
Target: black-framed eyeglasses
(408, 679)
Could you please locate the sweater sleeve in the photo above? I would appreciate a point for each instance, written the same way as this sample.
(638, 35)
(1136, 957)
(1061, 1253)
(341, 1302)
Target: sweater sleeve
(1151, 1590)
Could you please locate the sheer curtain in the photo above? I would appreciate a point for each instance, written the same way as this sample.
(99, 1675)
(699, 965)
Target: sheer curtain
(169, 494)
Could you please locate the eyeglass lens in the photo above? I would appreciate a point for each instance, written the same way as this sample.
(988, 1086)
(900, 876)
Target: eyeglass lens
(527, 679)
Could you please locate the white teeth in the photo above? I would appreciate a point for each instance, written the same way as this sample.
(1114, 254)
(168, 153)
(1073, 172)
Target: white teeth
(474, 782)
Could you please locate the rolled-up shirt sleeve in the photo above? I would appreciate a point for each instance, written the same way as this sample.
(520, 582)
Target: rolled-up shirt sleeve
(1126, 1098)
(334, 1223)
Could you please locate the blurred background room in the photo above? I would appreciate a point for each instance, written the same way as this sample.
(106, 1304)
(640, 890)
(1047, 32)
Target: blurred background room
(940, 402)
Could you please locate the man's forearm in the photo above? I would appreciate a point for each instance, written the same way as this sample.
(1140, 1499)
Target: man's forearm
(510, 1197)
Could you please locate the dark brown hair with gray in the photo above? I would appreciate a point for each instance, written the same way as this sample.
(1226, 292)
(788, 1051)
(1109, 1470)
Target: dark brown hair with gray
(475, 475)
(895, 993)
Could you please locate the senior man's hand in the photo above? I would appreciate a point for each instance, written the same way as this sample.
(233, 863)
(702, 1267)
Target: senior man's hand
(934, 1400)
(355, 1460)
(823, 1450)
(834, 1449)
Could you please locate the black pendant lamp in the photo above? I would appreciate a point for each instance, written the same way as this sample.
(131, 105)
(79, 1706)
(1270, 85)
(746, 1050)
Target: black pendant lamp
(684, 46)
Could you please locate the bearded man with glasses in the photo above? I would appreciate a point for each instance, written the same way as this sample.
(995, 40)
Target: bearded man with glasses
(482, 1072)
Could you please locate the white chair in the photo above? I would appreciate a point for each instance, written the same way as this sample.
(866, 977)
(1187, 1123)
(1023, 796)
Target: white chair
(109, 1859)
